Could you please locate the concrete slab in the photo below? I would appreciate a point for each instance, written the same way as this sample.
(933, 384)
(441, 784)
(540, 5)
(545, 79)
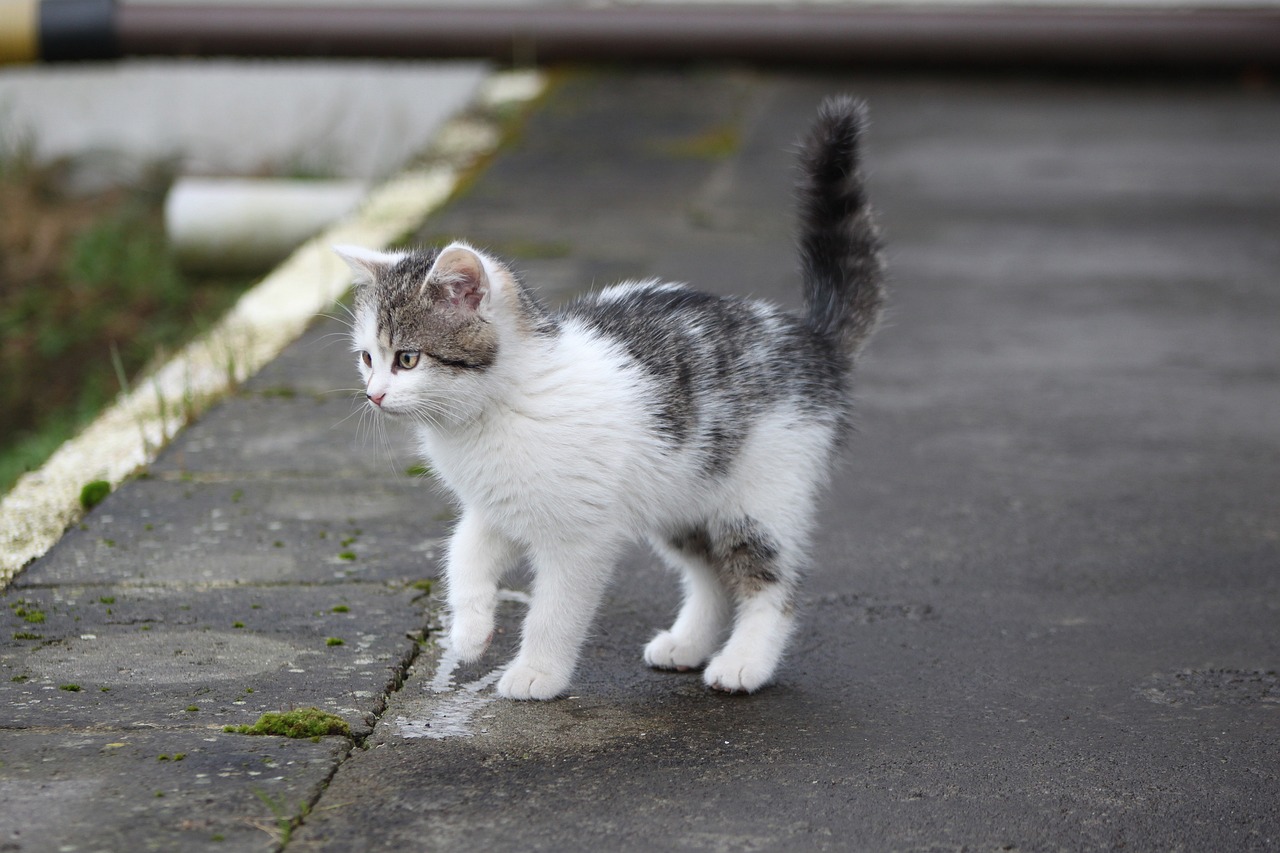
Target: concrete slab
(202, 656)
(232, 530)
(156, 790)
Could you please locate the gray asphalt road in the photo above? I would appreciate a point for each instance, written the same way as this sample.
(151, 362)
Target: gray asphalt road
(1046, 606)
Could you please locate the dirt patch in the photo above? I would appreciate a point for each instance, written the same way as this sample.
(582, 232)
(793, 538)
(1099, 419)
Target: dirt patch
(89, 297)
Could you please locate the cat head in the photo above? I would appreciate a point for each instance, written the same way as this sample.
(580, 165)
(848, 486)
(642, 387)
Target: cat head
(429, 328)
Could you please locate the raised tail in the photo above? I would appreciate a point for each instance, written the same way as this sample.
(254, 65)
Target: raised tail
(839, 245)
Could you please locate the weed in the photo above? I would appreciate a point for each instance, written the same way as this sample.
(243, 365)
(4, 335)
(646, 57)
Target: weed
(346, 555)
(285, 823)
(334, 641)
(70, 688)
(106, 599)
(35, 617)
(27, 635)
(341, 608)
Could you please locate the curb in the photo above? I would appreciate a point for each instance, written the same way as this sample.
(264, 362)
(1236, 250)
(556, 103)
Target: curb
(131, 433)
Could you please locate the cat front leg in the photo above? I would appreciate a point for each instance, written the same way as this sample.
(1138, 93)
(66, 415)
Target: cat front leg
(478, 556)
(568, 585)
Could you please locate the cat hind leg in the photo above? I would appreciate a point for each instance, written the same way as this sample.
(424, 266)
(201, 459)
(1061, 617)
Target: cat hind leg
(760, 572)
(696, 632)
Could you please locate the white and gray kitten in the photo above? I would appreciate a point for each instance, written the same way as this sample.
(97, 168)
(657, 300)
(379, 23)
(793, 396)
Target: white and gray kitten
(704, 424)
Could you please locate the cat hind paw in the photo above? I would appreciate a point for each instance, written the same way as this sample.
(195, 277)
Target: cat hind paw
(732, 674)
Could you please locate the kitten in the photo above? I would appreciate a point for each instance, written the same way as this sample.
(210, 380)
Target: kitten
(705, 424)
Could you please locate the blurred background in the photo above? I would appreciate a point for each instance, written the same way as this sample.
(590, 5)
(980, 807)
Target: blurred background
(156, 157)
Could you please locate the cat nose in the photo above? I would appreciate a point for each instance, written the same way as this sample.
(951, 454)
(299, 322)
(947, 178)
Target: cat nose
(376, 399)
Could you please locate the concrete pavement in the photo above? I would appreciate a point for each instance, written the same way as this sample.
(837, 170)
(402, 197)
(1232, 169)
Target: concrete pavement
(1045, 606)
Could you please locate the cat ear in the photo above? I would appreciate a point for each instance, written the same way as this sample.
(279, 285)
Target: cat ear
(366, 263)
(460, 274)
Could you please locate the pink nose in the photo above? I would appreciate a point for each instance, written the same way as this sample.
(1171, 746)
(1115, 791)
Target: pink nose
(376, 399)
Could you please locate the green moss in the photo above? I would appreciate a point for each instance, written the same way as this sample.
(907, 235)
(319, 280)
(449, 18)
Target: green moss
(300, 723)
(417, 470)
(70, 688)
(346, 555)
(282, 392)
(341, 608)
(237, 624)
(716, 143)
(20, 679)
(35, 617)
(191, 709)
(334, 641)
(422, 585)
(94, 493)
(106, 599)
(27, 635)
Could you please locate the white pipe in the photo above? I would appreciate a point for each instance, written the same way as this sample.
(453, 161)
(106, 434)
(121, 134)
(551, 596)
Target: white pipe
(249, 225)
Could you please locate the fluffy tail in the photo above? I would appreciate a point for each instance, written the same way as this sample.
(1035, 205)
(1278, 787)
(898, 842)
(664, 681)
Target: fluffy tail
(839, 245)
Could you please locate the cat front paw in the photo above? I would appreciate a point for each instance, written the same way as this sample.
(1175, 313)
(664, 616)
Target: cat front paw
(469, 638)
(522, 681)
(731, 673)
(667, 651)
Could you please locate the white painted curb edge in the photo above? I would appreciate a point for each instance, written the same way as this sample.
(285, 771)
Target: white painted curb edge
(129, 435)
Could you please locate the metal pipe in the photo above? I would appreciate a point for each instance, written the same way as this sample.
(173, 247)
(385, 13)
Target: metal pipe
(989, 35)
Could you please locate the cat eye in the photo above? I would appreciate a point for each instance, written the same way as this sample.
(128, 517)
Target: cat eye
(367, 359)
(406, 359)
